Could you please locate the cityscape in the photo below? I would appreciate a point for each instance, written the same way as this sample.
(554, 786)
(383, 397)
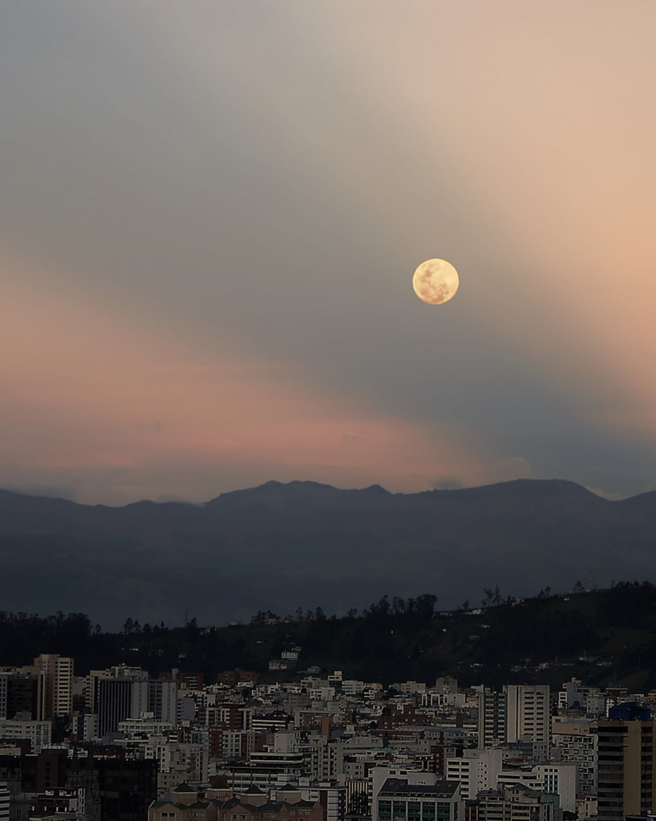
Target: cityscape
(296, 743)
(327, 410)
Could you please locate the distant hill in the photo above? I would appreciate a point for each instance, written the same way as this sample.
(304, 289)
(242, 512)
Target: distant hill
(601, 637)
(280, 546)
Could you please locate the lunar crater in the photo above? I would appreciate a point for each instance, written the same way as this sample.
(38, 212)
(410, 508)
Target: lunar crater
(435, 281)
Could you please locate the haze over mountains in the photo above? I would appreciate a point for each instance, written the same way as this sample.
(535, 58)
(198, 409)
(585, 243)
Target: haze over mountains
(280, 546)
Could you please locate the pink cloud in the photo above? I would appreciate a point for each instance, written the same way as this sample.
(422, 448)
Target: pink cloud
(86, 390)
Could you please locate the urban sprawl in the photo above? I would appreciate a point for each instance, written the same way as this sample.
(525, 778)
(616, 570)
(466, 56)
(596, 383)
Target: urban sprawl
(119, 745)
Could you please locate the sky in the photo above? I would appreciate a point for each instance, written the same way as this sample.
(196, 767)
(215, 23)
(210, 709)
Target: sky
(210, 214)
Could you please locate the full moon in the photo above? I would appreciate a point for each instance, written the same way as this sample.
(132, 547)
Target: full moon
(435, 281)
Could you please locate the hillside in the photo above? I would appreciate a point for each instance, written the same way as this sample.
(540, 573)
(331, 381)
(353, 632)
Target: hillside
(603, 637)
(280, 546)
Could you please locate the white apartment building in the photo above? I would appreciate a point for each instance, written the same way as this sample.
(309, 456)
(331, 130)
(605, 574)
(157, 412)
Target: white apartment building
(551, 777)
(327, 758)
(38, 733)
(353, 687)
(147, 725)
(476, 770)
(576, 742)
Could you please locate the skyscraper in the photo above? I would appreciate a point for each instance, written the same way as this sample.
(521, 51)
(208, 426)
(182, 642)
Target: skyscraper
(57, 685)
(527, 713)
(626, 773)
(520, 713)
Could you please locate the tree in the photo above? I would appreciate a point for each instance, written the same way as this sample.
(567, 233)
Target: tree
(492, 597)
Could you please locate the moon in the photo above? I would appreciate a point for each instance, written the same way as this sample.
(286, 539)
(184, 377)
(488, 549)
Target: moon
(435, 281)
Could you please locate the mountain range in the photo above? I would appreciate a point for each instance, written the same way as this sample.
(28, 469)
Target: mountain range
(280, 546)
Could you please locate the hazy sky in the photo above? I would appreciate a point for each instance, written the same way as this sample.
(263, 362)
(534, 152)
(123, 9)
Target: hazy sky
(210, 213)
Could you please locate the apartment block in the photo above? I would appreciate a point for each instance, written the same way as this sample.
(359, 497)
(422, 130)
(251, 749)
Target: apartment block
(626, 771)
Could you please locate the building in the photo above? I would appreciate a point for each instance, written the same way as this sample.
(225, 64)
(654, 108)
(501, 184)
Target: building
(131, 695)
(57, 685)
(157, 697)
(417, 797)
(556, 778)
(38, 733)
(114, 703)
(183, 804)
(4, 801)
(475, 770)
(626, 775)
(58, 801)
(118, 787)
(267, 768)
(516, 803)
(528, 714)
(521, 713)
(576, 742)
(19, 695)
(491, 719)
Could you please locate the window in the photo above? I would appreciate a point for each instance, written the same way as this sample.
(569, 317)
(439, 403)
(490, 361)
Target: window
(398, 808)
(428, 811)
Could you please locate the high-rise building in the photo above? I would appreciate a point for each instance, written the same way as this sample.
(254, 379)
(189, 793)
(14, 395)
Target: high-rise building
(491, 719)
(157, 697)
(626, 774)
(528, 714)
(19, 695)
(57, 685)
(520, 713)
(114, 703)
(130, 697)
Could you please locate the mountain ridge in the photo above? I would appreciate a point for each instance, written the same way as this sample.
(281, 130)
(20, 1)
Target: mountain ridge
(279, 545)
(375, 488)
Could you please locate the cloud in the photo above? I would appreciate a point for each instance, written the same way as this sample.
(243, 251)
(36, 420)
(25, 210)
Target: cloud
(77, 392)
(515, 468)
(267, 221)
(612, 497)
(48, 491)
